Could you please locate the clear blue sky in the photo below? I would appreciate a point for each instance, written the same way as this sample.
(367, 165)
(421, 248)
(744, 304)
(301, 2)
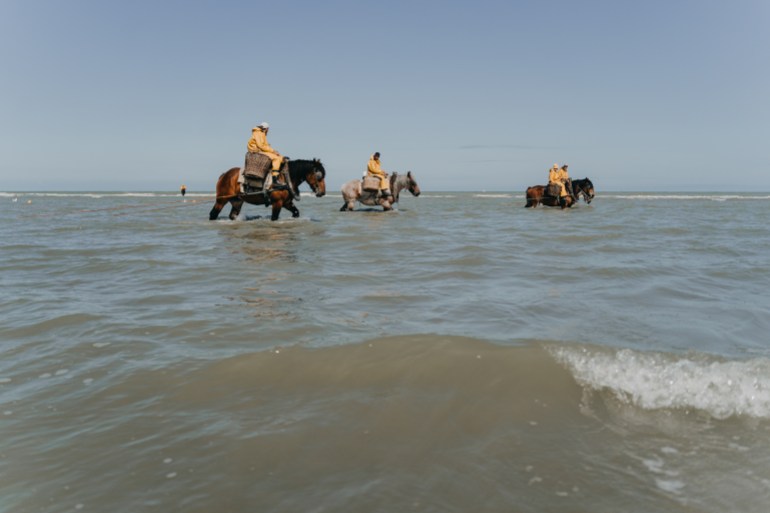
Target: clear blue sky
(483, 95)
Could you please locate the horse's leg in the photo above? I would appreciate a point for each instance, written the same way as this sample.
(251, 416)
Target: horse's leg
(348, 204)
(216, 209)
(235, 210)
(291, 207)
(277, 206)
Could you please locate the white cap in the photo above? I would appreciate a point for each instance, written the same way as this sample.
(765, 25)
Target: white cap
(263, 125)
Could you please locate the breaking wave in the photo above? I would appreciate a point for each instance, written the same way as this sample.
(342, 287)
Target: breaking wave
(664, 381)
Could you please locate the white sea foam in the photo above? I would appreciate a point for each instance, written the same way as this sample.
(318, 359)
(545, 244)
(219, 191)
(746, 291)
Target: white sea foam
(661, 381)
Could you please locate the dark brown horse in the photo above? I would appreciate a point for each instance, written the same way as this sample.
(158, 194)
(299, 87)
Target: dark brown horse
(536, 195)
(229, 190)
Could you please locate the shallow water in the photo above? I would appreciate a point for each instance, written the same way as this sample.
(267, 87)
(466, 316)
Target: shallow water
(461, 354)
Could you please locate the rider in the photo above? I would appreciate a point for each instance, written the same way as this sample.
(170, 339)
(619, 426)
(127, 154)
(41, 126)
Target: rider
(258, 144)
(558, 175)
(567, 181)
(374, 169)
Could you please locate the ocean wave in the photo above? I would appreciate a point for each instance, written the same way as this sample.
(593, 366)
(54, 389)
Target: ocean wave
(663, 381)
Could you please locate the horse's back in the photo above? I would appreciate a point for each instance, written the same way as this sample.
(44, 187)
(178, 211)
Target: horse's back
(229, 172)
(535, 190)
(351, 189)
(227, 182)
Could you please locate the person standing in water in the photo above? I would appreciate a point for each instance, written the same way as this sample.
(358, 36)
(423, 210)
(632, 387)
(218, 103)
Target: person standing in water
(183, 190)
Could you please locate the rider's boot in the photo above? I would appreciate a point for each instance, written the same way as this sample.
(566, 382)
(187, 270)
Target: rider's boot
(267, 187)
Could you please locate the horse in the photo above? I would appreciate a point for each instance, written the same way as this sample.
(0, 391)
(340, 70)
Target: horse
(536, 195)
(229, 190)
(353, 191)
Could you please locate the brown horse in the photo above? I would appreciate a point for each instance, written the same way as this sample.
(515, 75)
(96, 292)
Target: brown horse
(228, 189)
(536, 195)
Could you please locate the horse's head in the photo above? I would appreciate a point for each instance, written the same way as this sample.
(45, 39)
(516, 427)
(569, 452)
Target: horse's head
(310, 171)
(412, 187)
(317, 178)
(587, 188)
(398, 182)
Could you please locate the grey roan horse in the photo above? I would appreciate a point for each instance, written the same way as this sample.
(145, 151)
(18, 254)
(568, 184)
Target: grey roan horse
(353, 191)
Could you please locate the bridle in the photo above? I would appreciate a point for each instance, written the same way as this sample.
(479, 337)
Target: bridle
(318, 176)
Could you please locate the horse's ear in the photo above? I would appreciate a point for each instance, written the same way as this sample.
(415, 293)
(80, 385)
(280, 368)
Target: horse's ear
(316, 161)
(409, 174)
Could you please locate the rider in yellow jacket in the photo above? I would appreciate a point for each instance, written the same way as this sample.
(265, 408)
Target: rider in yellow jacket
(258, 144)
(374, 169)
(559, 176)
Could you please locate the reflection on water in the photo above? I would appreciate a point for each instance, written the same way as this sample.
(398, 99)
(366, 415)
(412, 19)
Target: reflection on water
(262, 244)
(268, 255)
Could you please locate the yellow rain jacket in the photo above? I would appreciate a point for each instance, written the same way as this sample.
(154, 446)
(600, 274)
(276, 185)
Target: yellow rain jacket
(558, 175)
(374, 169)
(258, 144)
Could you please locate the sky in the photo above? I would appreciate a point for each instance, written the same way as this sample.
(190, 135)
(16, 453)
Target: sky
(659, 95)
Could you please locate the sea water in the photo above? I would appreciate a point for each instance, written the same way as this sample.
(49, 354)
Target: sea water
(461, 354)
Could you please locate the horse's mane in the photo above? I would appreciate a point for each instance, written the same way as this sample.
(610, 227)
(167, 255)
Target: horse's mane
(299, 166)
(402, 178)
